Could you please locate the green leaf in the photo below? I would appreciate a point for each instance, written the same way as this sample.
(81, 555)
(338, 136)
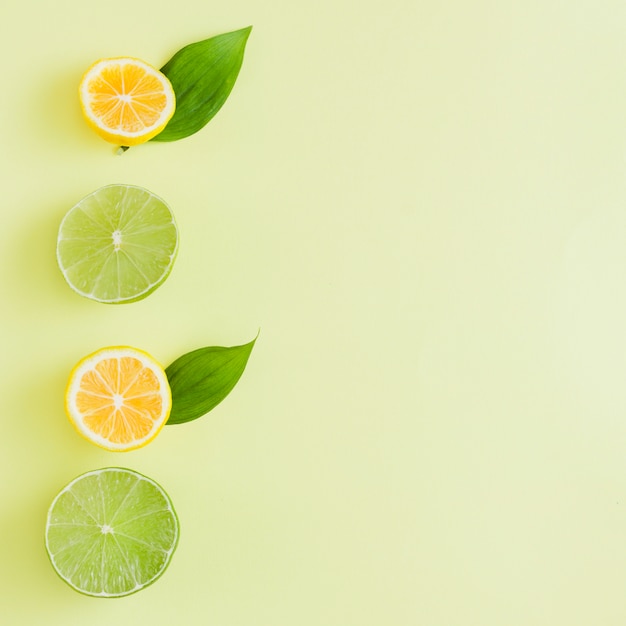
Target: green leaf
(202, 75)
(201, 379)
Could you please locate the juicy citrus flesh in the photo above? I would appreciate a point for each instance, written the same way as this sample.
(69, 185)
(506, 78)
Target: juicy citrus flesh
(118, 244)
(125, 100)
(111, 532)
(118, 398)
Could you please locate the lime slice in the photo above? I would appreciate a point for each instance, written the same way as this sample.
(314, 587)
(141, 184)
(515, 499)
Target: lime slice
(118, 244)
(111, 532)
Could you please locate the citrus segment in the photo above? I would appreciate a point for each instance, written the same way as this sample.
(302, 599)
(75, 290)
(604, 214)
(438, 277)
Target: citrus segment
(118, 398)
(118, 244)
(111, 532)
(125, 100)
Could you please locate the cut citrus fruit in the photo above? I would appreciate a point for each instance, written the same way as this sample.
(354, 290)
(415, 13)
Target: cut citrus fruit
(125, 100)
(118, 398)
(111, 532)
(118, 244)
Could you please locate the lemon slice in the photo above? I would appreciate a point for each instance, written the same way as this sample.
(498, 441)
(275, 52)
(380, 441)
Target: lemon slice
(118, 398)
(111, 532)
(125, 100)
(118, 244)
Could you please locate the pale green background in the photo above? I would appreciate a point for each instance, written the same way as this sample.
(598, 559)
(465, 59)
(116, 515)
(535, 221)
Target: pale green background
(422, 206)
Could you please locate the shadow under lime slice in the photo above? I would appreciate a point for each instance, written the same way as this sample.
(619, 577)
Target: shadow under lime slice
(111, 532)
(118, 244)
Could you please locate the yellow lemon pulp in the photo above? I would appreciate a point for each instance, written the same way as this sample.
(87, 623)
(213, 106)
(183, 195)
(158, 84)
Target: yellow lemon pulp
(125, 100)
(118, 398)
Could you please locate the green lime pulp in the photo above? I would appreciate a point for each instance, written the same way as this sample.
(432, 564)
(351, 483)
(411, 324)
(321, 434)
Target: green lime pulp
(111, 532)
(118, 244)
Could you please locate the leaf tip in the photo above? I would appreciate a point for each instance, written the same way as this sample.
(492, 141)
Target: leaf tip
(246, 31)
